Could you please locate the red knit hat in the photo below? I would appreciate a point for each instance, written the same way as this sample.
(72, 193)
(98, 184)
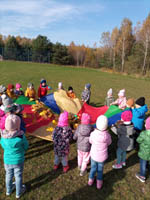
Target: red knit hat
(126, 116)
(10, 86)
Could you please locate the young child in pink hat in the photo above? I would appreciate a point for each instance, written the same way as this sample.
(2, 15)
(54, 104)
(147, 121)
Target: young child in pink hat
(62, 135)
(125, 131)
(144, 151)
(18, 90)
(82, 135)
(121, 101)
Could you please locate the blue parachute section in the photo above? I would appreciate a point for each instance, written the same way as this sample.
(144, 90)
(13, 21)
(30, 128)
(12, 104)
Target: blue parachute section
(49, 101)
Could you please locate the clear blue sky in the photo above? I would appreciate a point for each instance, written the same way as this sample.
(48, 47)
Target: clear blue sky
(81, 21)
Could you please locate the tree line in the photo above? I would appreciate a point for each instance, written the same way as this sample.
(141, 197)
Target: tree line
(124, 49)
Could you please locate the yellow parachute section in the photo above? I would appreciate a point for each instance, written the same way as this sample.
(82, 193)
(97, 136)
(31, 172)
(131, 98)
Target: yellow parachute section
(66, 103)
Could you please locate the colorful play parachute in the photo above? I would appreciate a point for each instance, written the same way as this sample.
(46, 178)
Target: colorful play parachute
(59, 101)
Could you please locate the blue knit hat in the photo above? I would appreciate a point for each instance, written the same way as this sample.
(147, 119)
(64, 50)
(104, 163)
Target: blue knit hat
(43, 81)
(88, 86)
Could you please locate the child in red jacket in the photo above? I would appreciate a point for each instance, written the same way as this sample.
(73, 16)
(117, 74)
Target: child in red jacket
(42, 91)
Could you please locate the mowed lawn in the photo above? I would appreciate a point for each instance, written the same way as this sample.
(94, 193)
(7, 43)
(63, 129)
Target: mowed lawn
(41, 180)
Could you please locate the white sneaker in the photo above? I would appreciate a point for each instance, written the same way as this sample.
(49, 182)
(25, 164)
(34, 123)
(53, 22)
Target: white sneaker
(22, 191)
(13, 188)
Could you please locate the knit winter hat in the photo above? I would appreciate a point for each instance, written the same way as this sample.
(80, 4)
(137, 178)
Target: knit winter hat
(10, 86)
(63, 119)
(121, 93)
(30, 85)
(147, 123)
(110, 92)
(88, 86)
(2, 89)
(102, 123)
(12, 123)
(130, 102)
(43, 81)
(60, 85)
(85, 119)
(70, 88)
(18, 86)
(126, 116)
(140, 101)
(6, 100)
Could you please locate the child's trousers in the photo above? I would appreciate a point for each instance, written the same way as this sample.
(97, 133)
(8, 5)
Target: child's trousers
(121, 156)
(11, 171)
(83, 159)
(62, 160)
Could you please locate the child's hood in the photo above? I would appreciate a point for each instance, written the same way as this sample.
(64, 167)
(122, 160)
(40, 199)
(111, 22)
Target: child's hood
(100, 136)
(85, 130)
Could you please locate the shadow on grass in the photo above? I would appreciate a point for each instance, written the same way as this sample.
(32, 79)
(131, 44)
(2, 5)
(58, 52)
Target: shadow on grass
(87, 192)
(47, 177)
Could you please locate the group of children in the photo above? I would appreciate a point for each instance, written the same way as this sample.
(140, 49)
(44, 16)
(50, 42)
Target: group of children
(92, 144)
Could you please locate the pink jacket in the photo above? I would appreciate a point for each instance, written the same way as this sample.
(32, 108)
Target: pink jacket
(2, 119)
(121, 102)
(100, 141)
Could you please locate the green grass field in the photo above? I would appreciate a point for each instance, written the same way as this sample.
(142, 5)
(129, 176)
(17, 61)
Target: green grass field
(41, 181)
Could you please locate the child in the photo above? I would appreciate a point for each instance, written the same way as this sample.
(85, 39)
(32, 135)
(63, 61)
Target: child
(30, 92)
(43, 88)
(61, 138)
(139, 115)
(130, 103)
(18, 90)
(86, 94)
(125, 131)
(14, 150)
(60, 86)
(144, 152)
(121, 101)
(6, 100)
(82, 135)
(100, 140)
(71, 93)
(12, 124)
(109, 99)
(10, 91)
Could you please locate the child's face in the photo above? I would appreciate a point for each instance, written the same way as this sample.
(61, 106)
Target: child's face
(70, 91)
(31, 87)
(43, 84)
(137, 106)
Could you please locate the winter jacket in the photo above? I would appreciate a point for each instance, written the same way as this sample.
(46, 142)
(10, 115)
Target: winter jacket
(18, 93)
(100, 141)
(144, 141)
(61, 139)
(14, 149)
(82, 135)
(139, 116)
(11, 94)
(30, 93)
(108, 101)
(42, 91)
(121, 102)
(125, 134)
(86, 94)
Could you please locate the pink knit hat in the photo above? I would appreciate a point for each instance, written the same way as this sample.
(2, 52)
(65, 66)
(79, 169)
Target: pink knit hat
(126, 116)
(121, 93)
(18, 86)
(12, 123)
(85, 119)
(147, 123)
(63, 119)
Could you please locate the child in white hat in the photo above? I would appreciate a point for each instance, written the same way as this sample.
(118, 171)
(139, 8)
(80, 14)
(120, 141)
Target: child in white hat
(109, 99)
